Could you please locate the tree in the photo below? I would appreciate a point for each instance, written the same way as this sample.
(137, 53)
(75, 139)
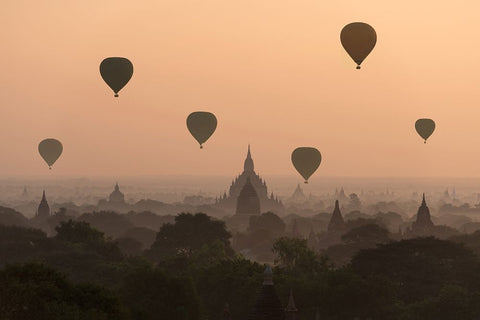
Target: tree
(10, 217)
(149, 293)
(419, 267)
(34, 291)
(79, 232)
(111, 223)
(366, 235)
(267, 222)
(293, 254)
(188, 235)
(19, 244)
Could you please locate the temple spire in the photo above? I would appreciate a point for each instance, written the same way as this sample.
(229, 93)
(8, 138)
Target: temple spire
(291, 310)
(424, 203)
(248, 164)
(336, 224)
(268, 276)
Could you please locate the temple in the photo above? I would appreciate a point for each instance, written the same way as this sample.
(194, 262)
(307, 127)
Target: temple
(267, 306)
(115, 202)
(298, 195)
(43, 210)
(336, 224)
(248, 202)
(267, 203)
(116, 196)
(423, 224)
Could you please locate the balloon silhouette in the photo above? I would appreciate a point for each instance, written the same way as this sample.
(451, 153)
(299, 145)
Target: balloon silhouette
(358, 39)
(50, 150)
(306, 160)
(425, 128)
(116, 72)
(201, 125)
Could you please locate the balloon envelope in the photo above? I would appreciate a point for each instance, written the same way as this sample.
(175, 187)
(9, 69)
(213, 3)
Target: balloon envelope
(358, 39)
(116, 72)
(201, 125)
(425, 128)
(306, 160)
(50, 150)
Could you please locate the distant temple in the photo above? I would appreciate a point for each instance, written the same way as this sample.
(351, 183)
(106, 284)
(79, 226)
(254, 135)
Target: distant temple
(298, 195)
(423, 224)
(116, 196)
(336, 224)
(115, 202)
(268, 306)
(267, 203)
(340, 195)
(43, 210)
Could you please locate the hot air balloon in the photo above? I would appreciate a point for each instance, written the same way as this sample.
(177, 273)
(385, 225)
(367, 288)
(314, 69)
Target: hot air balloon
(358, 39)
(201, 125)
(306, 160)
(425, 128)
(50, 150)
(116, 72)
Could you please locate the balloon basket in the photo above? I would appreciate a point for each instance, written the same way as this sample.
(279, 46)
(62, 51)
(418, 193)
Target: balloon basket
(201, 147)
(116, 95)
(358, 67)
(306, 182)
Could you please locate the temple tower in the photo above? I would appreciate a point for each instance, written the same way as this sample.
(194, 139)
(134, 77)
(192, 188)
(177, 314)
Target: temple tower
(43, 210)
(336, 224)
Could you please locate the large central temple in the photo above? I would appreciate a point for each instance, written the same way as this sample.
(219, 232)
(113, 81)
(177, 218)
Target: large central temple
(267, 203)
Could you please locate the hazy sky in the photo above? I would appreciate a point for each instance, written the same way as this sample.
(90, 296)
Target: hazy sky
(273, 72)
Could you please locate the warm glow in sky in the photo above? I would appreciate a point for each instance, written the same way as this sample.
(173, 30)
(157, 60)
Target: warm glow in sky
(273, 72)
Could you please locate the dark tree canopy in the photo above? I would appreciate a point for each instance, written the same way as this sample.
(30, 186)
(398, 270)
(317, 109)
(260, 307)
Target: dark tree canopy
(267, 222)
(34, 291)
(188, 235)
(368, 233)
(419, 267)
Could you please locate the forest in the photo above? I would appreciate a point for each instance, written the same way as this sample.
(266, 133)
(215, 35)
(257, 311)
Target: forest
(192, 271)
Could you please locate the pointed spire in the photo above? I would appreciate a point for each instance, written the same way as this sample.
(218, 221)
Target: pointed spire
(268, 276)
(424, 203)
(248, 164)
(291, 304)
(291, 310)
(43, 196)
(336, 223)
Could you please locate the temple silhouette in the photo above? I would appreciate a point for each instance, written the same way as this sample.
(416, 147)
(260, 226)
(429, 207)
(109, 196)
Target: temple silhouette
(116, 196)
(336, 224)
(115, 202)
(268, 305)
(423, 225)
(43, 210)
(248, 202)
(231, 202)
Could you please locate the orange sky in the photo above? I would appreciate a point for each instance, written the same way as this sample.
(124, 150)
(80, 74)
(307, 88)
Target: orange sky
(273, 72)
